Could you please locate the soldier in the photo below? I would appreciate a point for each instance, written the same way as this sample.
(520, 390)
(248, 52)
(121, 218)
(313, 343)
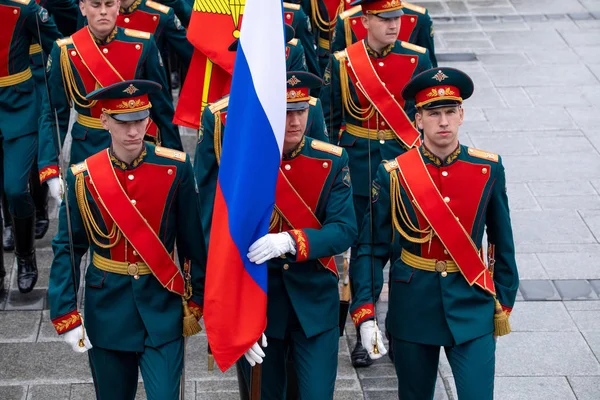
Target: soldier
(432, 204)
(98, 55)
(366, 82)
(129, 204)
(415, 27)
(294, 16)
(19, 110)
(313, 221)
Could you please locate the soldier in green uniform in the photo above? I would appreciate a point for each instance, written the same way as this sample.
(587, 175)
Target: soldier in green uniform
(128, 205)
(295, 16)
(416, 27)
(19, 110)
(433, 204)
(98, 55)
(314, 220)
(363, 105)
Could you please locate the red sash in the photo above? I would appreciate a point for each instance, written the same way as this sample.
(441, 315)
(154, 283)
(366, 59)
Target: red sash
(297, 214)
(129, 220)
(443, 221)
(373, 89)
(91, 56)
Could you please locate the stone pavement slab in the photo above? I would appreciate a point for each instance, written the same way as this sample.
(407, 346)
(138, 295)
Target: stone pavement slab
(585, 387)
(570, 265)
(541, 316)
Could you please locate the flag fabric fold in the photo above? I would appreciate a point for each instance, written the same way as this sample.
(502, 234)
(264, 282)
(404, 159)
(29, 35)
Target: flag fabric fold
(235, 303)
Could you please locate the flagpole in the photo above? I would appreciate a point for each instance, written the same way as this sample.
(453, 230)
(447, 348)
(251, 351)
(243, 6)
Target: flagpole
(255, 378)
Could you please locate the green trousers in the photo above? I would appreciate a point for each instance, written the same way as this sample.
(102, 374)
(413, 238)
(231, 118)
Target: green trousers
(315, 359)
(472, 363)
(18, 155)
(115, 373)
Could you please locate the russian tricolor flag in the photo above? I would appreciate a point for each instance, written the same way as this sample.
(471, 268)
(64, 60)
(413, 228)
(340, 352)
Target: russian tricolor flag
(235, 300)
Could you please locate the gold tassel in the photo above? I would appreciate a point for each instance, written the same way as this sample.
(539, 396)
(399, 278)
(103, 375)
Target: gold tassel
(191, 326)
(501, 323)
(211, 362)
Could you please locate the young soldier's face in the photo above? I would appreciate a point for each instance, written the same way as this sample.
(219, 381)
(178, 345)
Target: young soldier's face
(295, 125)
(101, 15)
(440, 126)
(383, 30)
(127, 136)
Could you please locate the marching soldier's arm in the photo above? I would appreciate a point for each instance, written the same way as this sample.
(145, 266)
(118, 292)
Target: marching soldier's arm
(190, 239)
(162, 106)
(182, 9)
(317, 129)
(331, 99)
(64, 277)
(48, 32)
(176, 36)
(338, 230)
(425, 37)
(377, 242)
(339, 36)
(500, 236)
(59, 103)
(304, 34)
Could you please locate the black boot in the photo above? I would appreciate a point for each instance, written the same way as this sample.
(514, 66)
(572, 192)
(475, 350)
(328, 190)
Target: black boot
(2, 270)
(360, 358)
(8, 240)
(39, 192)
(27, 273)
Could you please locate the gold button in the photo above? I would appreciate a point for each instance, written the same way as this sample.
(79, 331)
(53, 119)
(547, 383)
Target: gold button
(444, 173)
(381, 63)
(444, 274)
(353, 22)
(382, 123)
(325, 165)
(73, 53)
(412, 19)
(126, 20)
(170, 171)
(286, 266)
(393, 96)
(412, 60)
(287, 167)
(484, 171)
(445, 251)
(382, 141)
(130, 177)
(105, 50)
(133, 202)
(288, 16)
(447, 199)
(15, 11)
(133, 269)
(137, 46)
(154, 18)
(458, 219)
(440, 266)
(135, 253)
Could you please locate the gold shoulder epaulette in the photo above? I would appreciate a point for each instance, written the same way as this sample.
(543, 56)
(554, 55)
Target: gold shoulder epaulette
(158, 7)
(78, 168)
(326, 147)
(291, 6)
(25, 2)
(293, 42)
(350, 12)
(390, 165)
(414, 7)
(170, 153)
(312, 101)
(486, 155)
(137, 34)
(340, 55)
(64, 41)
(219, 105)
(414, 47)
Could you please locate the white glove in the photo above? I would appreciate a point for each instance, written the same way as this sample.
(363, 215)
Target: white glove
(255, 354)
(271, 246)
(369, 335)
(55, 190)
(73, 337)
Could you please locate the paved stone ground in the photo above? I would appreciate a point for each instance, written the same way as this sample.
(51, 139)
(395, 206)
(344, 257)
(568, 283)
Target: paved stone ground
(536, 67)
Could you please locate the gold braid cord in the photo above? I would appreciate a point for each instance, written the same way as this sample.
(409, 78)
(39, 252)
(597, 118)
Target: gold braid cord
(91, 227)
(321, 23)
(347, 31)
(70, 84)
(398, 208)
(355, 111)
